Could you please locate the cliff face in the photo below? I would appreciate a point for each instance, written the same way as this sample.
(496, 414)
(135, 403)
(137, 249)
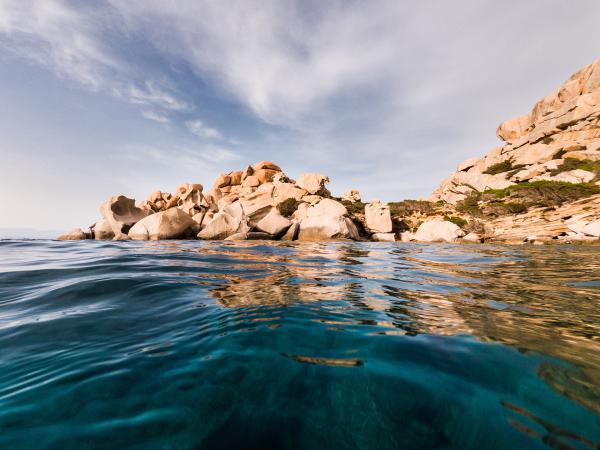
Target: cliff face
(562, 127)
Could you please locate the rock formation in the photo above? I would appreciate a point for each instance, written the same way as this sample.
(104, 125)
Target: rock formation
(542, 184)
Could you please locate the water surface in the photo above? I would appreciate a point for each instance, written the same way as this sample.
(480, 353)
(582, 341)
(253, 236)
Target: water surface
(215, 345)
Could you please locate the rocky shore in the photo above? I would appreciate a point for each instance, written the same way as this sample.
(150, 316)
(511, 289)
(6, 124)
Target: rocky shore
(541, 185)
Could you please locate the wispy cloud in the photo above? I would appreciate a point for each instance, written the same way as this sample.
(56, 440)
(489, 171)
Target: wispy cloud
(151, 115)
(198, 128)
(72, 42)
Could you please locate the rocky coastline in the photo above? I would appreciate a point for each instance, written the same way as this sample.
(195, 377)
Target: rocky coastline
(542, 185)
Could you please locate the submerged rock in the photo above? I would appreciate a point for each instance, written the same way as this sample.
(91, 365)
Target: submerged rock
(76, 234)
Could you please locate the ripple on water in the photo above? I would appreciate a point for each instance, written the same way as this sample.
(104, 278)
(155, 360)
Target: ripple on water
(289, 345)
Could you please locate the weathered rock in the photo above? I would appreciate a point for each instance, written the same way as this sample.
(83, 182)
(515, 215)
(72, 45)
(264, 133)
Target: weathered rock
(314, 183)
(327, 207)
(514, 128)
(466, 164)
(284, 191)
(266, 165)
(570, 176)
(352, 196)
(103, 230)
(221, 226)
(76, 234)
(377, 217)
(170, 224)
(273, 223)
(251, 181)
(383, 237)
(592, 155)
(438, 230)
(264, 175)
(292, 233)
(592, 228)
(327, 227)
(121, 213)
(472, 237)
(121, 237)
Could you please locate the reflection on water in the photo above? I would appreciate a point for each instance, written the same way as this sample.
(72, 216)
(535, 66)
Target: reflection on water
(299, 345)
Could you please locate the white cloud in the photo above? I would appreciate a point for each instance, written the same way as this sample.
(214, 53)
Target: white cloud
(152, 115)
(72, 43)
(198, 128)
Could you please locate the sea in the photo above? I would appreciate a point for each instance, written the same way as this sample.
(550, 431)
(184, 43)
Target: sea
(274, 345)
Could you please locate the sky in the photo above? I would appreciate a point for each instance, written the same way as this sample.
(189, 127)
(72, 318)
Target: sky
(100, 98)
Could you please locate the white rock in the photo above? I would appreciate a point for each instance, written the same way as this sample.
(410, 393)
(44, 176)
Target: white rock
(472, 237)
(273, 223)
(170, 224)
(221, 226)
(326, 227)
(383, 237)
(592, 228)
(377, 217)
(352, 196)
(438, 230)
(326, 207)
(314, 183)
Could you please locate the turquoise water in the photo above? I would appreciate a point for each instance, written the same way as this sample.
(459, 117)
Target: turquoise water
(213, 345)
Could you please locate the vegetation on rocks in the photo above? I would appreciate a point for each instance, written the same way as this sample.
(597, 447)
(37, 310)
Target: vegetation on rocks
(408, 207)
(574, 164)
(354, 207)
(501, 167)
(459, 221)
(470, 205)
(546, 193)
(287, 207)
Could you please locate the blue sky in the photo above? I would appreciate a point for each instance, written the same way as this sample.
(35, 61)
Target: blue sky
(124, 96)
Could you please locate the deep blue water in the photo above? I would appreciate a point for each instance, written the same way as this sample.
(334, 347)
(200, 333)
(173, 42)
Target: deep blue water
(213, 345)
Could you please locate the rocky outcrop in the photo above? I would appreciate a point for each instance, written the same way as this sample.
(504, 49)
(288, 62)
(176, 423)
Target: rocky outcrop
(564, 125)
(170, 224)
(541, 185)
(121, 213)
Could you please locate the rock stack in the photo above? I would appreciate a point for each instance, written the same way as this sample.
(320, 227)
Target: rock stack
(259, 202)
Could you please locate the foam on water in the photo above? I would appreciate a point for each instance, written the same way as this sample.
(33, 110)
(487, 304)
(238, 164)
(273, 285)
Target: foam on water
(217, 345)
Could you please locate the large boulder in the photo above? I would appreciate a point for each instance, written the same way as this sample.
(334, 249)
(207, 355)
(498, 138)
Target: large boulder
(273, 223)
(221, 226)
(103, 230)
(438, 230)
(351, 196)
(377, 217)
(77, 234)
(314, 183)
(170, 224)
(327, 220)
(121, 213)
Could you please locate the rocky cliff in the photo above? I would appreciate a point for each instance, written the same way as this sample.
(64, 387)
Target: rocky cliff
(543, 182)
(541, 185)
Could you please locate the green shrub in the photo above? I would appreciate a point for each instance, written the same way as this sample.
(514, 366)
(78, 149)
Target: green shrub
(408, 207)
(354, 207)
(456, 220)
(504, 166)
(573, 164)
(546, 193)
(470, 205)
(287, 207)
